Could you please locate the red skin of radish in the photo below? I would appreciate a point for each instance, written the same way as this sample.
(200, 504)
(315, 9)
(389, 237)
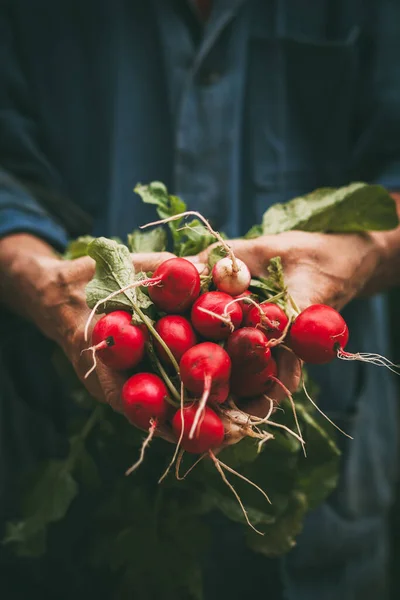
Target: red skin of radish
(179, 288)
(226, 280)
(246, 384)
(177, 333)
(317, 333)
(274, 313)
(219, 394)
(209, 433)
(201, 360)
(245, 306)
(211, 327)
(126, 341)
(247, 348)
(144, 397)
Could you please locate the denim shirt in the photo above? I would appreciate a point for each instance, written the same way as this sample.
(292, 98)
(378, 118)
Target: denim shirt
(266, 101)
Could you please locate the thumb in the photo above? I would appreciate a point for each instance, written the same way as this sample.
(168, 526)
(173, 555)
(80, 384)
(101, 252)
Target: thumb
(149, 261)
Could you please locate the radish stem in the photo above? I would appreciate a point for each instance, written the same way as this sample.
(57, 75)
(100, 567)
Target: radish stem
(217, 235)
(146, 442)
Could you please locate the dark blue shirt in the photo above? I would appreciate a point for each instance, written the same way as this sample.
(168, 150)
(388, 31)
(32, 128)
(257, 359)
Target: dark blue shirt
(267, 101)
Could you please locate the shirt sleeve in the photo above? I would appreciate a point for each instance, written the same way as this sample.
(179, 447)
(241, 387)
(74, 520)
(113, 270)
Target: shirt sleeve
(376, 148)
(26, 175)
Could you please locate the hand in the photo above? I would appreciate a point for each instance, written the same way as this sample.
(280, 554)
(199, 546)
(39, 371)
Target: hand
(319, 268)
(64, 303)
(57, 305)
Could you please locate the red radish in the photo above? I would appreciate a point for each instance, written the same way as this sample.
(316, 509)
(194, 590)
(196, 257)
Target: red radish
(231, 276)
(179, 285)
(209, 433)
(205, 359)
(246, 384)
(248, 348)
(144, 399)
(318, 333)
(270, 318)
(119, 344)
(245, 306)
(219, 394)
(213, 318)
(177, 333)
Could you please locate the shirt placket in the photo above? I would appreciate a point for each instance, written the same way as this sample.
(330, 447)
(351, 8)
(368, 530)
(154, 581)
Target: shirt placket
(208, 106)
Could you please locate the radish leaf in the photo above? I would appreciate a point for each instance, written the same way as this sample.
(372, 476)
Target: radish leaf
(356, 207)
(154, 240)
(114, 270)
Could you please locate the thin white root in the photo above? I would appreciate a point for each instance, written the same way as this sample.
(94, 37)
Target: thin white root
(276, 341)
(163, 476)
(373, 359)
(292, 404)
(146, 442)
(249, 301)
(135, 284)
(192, 467)
(218, 466)
(202, 405)
(178, 464)
(321, 412)
(258, 420)
(93, 350)
(228, 468)
(226, 320)
(199, 216)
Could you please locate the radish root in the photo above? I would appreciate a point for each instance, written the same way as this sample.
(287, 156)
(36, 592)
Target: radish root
(202, 404)
(93, 349)
(178, 464)
(163, 476)
(146, 442)
(320, 411)
(289, 395)
(374, 359)
(220, 466)
(225, 319)
(192, 467)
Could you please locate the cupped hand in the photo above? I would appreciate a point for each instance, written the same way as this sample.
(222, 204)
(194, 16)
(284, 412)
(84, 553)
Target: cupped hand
(318, 268)
(62, 314)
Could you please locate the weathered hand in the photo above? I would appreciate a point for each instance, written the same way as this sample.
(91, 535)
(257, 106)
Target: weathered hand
(319, 268)
(51, 293)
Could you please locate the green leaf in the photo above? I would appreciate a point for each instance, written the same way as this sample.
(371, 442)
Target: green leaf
(114, 270)
(255, 232)
(195, 238)
(46, 502)
(280, 536)
(78, 247)
(188, 239)
(87, 471)
(356, 207)
(167, 206)
(215, 255)
(273, 284)
(153, 240)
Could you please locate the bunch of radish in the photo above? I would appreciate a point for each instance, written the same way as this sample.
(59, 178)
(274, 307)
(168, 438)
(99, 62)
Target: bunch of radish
(209, 351)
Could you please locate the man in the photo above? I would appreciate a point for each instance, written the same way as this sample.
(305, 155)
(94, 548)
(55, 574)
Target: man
(234, 106)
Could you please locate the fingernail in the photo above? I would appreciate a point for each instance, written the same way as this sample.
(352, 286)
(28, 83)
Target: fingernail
(200, 267)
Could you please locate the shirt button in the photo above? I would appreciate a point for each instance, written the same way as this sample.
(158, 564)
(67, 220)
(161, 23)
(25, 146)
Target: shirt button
(209, 77)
